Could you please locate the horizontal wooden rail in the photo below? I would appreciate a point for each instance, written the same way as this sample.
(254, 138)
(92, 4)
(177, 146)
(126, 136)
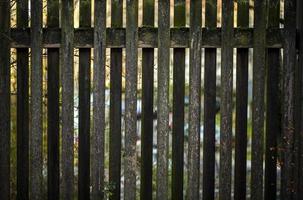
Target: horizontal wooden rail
(147, 37)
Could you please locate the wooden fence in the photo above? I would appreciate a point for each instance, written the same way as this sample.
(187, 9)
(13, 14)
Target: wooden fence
(276, 142)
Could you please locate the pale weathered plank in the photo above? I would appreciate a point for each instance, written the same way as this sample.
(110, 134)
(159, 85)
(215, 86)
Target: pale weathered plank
(163, 100)
(36, 160)
(194, 99)
(130, 162)
(67, 77)
(97, 151)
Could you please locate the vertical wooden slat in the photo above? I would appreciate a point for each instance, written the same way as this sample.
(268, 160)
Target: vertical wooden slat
(163, 98)
(209, 107)
(226, 101)
(287, 177)
(115, 119)
(67, 77)
(36, 161)
(273, 108)
(97, 169)
(300, 82)
(194, 99)
(115, 107)
(130, 162)
(178, 107)
(84, 107)
(147, 108)
(22, 108)
(53, 173)
(5, 100)
(241, 108)
(260, 21)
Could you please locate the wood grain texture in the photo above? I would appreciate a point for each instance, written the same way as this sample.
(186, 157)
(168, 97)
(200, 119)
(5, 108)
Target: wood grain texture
(146, 189)
(241, 108)
(163, 99)
(273, 107)
(178, 107)
(84, 107)
(67, 77)
(98, 139)
(5, 100)
(148, 38)
(288, 189)
(194, 99)
(208, 187)
(226, 105)
(115, 135)
(36, 160)
(259, 62)
(300, 118)
(53, 129)
(131, 73)
(22, 108)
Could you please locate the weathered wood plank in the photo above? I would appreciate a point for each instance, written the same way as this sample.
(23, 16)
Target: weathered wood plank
(260, 21)
(5, 100)
(84, 107)
(194, 99)
(131, 72)
(147, 38)
(300, 83)
(288, 189)
(163, 99)
(178, 107)
(273, 107)
(146, 189)
(67, 77)
(208, 188)
(53, 129)
(241, 108)
(226, 101)
(115, 116)
(115, 132)
(22, 108)
(36, 160)
(300, 93)
(97, 168)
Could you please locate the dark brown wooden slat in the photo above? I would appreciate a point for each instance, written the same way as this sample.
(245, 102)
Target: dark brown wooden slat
(115, 119)
(84, 124)
(147, 124)
(67, 77)
(22, 108)
(147, 38)
(84, 107)
(163, 100)
(194, 99)
(273, 108)
(226, 101)
(146, 189)
(178, 107)
(300, 118)
(241, 108)
(288, 189)
(115, 130)
(257, 149)
(97, 169)
(53, 173)
(36, 158)
(209, 141)
(5, 100)
(131, 73)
